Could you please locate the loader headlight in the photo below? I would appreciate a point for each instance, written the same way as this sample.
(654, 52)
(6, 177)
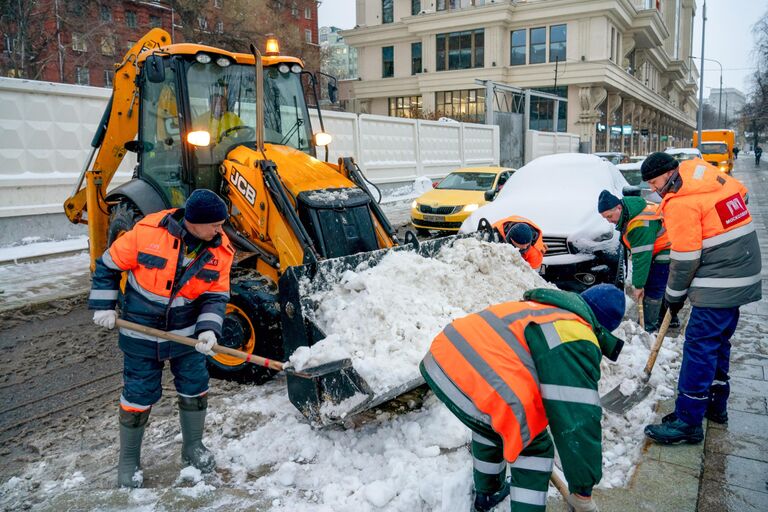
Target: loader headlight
(223, 62)
(203, 58)
(414, 205)
(283, 68)
(296, 69)
(200, 138)
(322, 139)
(470, 207)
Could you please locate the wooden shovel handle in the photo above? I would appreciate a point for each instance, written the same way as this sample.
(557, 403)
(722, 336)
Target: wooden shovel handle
(559, 484)
(641, 313)
(249, 358)
(657, 344)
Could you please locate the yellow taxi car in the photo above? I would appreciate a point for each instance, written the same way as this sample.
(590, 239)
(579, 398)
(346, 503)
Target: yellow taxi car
(456, 196)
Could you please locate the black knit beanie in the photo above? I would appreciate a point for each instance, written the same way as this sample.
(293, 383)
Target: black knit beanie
(657, 164)
(205, 207)
(607, 201)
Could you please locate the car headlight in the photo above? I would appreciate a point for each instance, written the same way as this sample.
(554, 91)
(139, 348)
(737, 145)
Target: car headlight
(414, 205)
(603, 237)
(470, 207)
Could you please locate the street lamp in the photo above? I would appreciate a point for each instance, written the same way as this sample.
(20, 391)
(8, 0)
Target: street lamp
(720, 103)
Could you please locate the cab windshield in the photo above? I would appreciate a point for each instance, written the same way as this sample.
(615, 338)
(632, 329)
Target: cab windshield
(467, 181)
(709, 148)
(222, 101)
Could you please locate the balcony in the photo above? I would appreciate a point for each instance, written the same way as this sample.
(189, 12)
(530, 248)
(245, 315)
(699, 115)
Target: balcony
(650, 30)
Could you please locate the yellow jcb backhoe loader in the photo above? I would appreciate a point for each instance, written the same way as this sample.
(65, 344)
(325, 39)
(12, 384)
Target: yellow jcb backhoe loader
(238, 124)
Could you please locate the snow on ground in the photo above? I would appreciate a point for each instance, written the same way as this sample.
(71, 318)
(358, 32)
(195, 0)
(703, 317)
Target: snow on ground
(416, 458)
(407, 300)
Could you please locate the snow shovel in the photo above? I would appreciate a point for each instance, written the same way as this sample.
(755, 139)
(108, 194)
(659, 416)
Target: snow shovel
(615, 401)
(315, 392)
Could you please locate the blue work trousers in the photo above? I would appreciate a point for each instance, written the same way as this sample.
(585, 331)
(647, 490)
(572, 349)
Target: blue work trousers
(656, 283)
(142, 378)
(703, 382)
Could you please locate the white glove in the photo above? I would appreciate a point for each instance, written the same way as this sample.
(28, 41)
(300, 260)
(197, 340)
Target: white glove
(105, 318)
(578, 503)
(207, 341)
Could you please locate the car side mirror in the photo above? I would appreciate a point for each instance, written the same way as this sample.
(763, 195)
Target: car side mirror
(333, 92)
(137, 146)
(489, 195)
(631, 191)
(154, 68)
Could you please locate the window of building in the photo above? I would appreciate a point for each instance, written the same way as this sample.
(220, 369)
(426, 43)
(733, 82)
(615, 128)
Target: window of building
(219, 27)
(518, 47)
(460, 50)
(387, 61)
(202, 22)
(78, 42)
(294, 11)
(415, 58)
(9, 41)
(108, 76)
(308, 35)
(106, 13)
(155, 21)
(387, 11)
(538, 50)
(463, 105)
(542, 110)
(307, 13)
(405, 106)
(130, 19)
(450, 5)
(613, 44)
(415, 7)
(217, 3)
(82, 76)
(108, 45)
(557, 39)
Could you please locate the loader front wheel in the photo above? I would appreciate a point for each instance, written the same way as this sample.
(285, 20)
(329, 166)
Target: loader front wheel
(122, 218)
(251, 325)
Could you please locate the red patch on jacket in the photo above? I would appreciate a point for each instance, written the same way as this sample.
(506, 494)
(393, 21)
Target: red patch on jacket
(732, 210)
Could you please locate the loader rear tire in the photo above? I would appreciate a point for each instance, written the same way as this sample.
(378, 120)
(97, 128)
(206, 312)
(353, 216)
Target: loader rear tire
(122, 218)
(251, 325)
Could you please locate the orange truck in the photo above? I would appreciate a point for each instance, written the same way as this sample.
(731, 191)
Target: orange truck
(716, 148)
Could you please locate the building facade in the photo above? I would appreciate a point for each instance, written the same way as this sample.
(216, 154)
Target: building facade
(728, 101)
(337, 57)
(621, 64)
(79, 41)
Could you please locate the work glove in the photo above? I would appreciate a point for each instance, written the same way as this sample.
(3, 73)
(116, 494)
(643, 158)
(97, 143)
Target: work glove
(105, 318)
(673, 307)
(207, 341)
(577, 503)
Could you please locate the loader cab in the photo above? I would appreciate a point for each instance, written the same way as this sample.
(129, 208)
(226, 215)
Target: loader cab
(195, 108)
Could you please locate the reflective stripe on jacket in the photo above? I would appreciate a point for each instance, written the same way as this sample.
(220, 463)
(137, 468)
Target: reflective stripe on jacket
(715, 256)
(535, 253)
(644, 236)
(484, 365)
(160, 292)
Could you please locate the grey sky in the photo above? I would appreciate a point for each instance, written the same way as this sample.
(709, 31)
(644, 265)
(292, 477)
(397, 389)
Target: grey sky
(729, 36)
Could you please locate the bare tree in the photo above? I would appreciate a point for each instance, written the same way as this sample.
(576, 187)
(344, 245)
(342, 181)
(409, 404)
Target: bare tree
(755, 112)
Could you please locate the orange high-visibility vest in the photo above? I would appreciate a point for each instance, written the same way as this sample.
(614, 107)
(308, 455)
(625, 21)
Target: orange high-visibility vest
(489, 361)
(535, 254)
(650, 213)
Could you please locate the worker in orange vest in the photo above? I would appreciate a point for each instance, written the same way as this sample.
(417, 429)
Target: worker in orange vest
(512, 369)
(177, 264)
(526, 236)
(715, 262)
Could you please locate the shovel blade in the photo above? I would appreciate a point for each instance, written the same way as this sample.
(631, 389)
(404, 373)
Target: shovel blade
(619, 403)
(325, 394)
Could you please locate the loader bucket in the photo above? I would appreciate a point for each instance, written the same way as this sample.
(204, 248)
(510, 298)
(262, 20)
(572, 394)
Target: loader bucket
(331, 392)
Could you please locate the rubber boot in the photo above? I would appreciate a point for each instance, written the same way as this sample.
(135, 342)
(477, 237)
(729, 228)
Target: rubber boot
(131, 433)
(651, 310)
(675, 431)
(486, 502)
(192, 418)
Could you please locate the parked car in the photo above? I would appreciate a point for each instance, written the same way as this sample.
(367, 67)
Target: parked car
(682, 154)
(632, 174)
(614, 157)
(559, 193)
(637, 158)
(456, 196)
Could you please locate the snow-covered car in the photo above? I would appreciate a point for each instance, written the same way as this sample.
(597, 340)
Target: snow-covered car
(615, 157)
(559, 193)
(682, 154)
(634, 177)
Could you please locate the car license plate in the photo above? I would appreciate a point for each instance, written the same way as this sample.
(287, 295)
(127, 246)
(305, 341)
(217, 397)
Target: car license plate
(434, 218)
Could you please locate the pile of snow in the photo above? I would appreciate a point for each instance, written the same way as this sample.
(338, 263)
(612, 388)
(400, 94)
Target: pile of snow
(384, 318)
